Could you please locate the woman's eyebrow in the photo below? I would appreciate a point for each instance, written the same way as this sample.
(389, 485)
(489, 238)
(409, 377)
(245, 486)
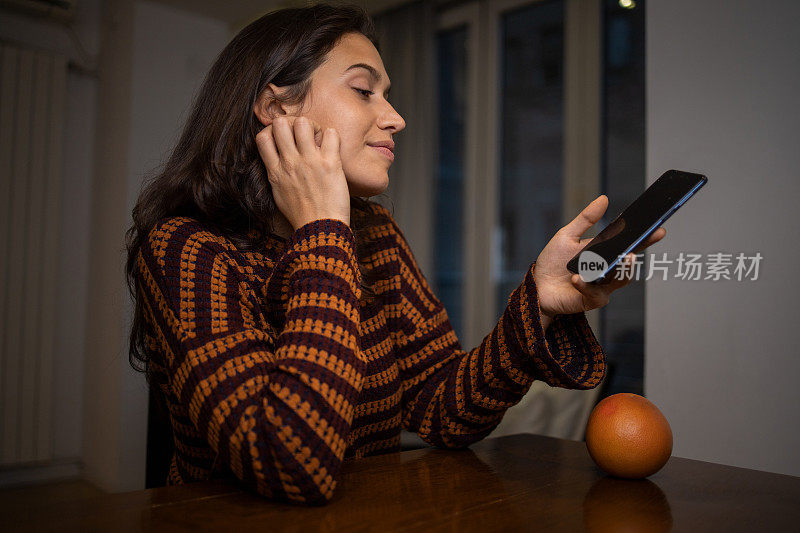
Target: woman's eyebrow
(373, 72)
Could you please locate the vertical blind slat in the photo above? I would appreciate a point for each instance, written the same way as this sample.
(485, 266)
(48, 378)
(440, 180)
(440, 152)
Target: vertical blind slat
(8, 72)
(50, 254)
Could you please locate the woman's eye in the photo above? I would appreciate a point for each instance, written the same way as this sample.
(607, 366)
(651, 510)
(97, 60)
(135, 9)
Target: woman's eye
(364, 92)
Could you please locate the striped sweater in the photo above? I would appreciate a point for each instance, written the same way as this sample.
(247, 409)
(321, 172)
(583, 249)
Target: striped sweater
(274, 370)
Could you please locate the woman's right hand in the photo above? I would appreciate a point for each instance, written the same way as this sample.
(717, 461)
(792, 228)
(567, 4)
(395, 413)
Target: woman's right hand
(305, 170)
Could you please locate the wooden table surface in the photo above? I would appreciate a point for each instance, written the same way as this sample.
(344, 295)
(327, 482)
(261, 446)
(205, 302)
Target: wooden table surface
(514, 483)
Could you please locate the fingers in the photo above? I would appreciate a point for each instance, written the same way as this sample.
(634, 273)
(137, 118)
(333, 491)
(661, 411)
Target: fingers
(587, 218)
(266, 148)
(283, 133)
(656, 236)
(304, 135)
(288, 138)
(594, 296)
(597, 295)
(330, 143)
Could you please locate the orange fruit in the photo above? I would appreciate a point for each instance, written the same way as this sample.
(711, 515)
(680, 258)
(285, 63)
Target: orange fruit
(628, 437)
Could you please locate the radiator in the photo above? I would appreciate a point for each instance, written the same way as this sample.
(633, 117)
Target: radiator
(32, 100)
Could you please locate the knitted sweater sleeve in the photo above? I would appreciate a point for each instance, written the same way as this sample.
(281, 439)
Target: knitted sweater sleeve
(452, 397)
(275, 407)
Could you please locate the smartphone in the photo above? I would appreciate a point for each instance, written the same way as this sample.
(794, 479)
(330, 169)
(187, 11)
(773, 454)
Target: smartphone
(637, 222)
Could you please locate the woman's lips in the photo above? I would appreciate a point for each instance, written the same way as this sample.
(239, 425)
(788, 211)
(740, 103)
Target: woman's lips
(385, 151)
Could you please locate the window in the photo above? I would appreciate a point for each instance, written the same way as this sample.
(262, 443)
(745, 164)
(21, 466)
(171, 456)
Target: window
(541, 107)
(531, 138)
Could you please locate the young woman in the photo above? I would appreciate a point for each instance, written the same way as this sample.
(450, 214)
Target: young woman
(281, 316)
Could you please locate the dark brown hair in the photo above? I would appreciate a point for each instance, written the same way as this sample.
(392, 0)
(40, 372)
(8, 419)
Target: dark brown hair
(215, 174)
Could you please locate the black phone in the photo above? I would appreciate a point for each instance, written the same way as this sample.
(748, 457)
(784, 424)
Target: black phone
(635, 224)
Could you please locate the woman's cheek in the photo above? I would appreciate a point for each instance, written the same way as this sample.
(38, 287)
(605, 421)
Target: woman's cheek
(349, 163)
(349, 153)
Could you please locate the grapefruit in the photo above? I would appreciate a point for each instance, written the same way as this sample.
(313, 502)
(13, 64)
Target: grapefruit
(628, 436)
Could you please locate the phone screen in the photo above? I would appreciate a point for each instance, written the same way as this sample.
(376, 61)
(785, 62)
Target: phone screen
(635, 224)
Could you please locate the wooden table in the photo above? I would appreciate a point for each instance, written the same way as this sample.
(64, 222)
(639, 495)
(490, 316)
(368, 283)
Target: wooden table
(515, 483)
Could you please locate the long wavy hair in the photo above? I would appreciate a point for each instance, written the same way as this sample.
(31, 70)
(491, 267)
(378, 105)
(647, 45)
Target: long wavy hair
(215, 174)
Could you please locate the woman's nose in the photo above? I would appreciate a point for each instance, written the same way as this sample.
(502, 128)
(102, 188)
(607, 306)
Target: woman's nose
(392, 119)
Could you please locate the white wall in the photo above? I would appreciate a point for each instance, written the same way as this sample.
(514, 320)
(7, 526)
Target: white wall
(722, 362)
(172, 51)
(156, 57)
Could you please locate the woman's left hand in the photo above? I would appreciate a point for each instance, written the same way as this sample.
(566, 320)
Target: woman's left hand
(562, 292)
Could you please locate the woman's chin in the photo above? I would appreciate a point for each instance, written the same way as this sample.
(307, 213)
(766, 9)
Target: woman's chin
(367, 188)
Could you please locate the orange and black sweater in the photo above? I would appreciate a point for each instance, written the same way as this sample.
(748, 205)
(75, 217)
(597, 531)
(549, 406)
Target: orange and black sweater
(274, 371)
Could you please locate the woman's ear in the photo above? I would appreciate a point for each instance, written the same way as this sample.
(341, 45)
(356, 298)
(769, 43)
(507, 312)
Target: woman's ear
(267, 107)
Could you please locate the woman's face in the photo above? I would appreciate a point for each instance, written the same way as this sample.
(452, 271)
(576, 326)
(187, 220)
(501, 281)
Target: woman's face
(349, 93)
